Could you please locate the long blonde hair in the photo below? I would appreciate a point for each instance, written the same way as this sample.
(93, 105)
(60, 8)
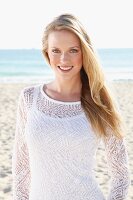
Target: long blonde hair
(96, 100)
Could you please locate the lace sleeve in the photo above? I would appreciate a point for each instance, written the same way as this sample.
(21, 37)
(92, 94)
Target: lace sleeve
(118, 167)
(20, 159)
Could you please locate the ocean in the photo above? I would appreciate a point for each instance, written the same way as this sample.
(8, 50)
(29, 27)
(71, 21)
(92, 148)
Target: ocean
(22, 65)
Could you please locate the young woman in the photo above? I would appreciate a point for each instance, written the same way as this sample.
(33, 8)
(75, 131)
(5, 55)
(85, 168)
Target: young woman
(60, 124)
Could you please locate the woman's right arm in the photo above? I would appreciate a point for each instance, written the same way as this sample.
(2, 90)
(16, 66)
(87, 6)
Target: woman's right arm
(20, 157)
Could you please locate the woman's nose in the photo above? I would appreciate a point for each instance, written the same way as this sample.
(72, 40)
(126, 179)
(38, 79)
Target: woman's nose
(64, 57)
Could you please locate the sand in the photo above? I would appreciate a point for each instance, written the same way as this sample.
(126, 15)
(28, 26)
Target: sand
(9, 93)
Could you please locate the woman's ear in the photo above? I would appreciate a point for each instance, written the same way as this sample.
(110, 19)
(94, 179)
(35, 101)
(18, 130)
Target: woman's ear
(46, 55)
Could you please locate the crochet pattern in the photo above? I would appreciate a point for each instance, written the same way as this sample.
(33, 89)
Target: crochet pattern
(54, 152)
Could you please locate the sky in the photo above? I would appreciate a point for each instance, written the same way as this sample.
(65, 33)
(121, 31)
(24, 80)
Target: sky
(108, 22)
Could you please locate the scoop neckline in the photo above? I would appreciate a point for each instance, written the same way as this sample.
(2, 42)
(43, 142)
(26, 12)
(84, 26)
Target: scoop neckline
(55, 100)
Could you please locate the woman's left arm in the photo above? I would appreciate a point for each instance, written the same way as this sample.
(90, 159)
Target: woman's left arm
(117, 159)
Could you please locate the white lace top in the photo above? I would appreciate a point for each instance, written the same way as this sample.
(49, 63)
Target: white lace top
(54, 152)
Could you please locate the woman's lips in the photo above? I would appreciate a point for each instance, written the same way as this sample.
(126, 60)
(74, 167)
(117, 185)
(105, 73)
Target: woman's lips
(65, 69)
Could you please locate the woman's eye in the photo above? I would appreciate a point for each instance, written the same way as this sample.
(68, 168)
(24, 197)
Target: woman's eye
(73, 50)
(55, 51)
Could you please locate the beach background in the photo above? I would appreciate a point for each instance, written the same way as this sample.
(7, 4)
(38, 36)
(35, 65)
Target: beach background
(25, 67)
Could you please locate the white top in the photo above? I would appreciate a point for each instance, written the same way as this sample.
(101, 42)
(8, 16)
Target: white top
(54, 152)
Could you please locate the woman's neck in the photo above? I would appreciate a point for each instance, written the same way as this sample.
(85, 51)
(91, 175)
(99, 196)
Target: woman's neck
(67, 87)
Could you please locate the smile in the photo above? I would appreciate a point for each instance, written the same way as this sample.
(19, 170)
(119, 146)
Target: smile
(65, 69)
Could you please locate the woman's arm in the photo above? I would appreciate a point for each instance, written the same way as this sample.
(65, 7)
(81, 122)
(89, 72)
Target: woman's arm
(117, 159)
(20, 158)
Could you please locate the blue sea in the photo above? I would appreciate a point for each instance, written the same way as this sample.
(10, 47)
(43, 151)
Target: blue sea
(24, 65)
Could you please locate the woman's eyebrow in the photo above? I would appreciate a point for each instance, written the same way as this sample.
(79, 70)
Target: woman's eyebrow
(55, 47)
(69, 47)
(75, 47)
(78, 47)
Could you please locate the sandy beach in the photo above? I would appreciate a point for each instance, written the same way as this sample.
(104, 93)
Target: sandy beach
(9, 93)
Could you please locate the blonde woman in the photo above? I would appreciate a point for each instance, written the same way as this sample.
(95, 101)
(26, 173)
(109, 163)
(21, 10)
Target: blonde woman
(60, 124)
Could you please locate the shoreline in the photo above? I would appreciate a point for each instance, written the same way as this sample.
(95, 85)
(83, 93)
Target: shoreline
(109, 75)
(43, 79)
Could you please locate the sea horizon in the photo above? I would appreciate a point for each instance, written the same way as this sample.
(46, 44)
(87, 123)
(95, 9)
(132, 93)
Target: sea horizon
(29, 65)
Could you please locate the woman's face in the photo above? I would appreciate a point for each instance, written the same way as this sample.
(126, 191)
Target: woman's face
(64, 53)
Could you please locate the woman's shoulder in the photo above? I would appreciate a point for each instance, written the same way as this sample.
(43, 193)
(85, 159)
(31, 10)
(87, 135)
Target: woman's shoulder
(27, 93)
(29, 90)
